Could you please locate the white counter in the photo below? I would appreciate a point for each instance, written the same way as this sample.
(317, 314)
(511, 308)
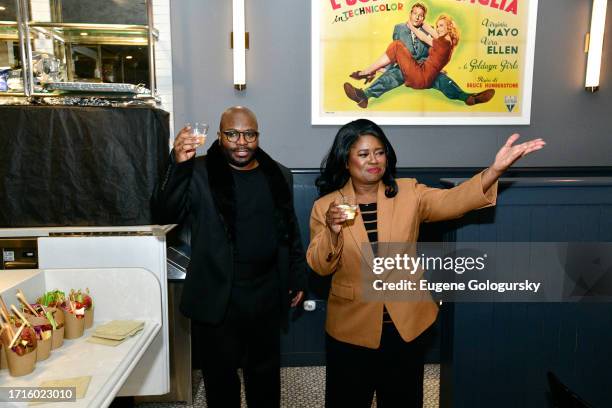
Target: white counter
(108, 367)
(118, 294)
(115, 247)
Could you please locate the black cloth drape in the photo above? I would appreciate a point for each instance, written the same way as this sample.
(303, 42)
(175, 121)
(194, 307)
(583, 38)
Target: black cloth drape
(76, 166)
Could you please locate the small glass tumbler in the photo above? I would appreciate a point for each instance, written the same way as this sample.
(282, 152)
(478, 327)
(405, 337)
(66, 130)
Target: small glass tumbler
(348, 204)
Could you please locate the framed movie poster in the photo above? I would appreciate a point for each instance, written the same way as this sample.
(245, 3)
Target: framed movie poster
(423, 62)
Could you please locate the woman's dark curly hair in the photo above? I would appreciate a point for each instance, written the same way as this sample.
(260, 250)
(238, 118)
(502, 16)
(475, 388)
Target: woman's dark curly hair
(334, 173)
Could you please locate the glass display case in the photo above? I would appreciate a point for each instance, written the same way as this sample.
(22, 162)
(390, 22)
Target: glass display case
(77, 47)
(11, 58)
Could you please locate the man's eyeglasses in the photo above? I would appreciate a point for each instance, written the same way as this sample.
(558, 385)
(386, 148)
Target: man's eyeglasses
(234, 135)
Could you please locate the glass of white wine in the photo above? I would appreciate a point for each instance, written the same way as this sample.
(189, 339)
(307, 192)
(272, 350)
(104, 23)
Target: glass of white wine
(348, 204)
(200, 131)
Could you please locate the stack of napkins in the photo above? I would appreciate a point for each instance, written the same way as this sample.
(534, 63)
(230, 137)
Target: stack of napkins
(115, 332)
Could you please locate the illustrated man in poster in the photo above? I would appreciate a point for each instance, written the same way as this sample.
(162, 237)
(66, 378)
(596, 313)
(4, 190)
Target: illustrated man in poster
(419, 49)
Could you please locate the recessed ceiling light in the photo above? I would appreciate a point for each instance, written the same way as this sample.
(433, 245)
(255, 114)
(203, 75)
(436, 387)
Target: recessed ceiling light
(128, 57)
(2, 8)
(84, 34)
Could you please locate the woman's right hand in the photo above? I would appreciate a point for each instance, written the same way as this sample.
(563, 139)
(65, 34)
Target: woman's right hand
(185, 145)
(335, 217)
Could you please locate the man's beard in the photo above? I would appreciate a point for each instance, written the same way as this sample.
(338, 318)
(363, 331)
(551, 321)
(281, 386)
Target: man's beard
(243, 163)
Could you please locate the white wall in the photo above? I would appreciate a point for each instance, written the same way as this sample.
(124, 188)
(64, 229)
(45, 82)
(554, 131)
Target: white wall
(576, 124)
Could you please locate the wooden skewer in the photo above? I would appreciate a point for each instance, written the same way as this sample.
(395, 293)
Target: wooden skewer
(5, 334)
(3, 306)
(4, 316)
(21, 297)
(7, 326)
(16, 337)
(18, 313)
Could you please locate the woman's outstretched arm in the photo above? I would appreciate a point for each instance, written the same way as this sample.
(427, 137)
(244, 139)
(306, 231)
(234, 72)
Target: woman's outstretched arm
(507, 156)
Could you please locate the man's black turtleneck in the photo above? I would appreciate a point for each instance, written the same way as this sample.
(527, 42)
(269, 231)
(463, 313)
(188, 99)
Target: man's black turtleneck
(256, 241)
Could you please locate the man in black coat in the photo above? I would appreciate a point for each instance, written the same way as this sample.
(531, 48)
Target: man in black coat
(247, 265)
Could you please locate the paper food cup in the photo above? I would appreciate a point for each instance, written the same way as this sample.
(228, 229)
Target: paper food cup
(58, 314)
(44, 346)
(21, 365)
(57, 338)
(3, 363)
(73, 327)
(3, 360)
(43, 349)
(89, 317)
(58, 334)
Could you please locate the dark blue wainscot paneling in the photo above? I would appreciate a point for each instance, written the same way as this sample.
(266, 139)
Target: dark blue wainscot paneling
(497, 354)
(304, 343)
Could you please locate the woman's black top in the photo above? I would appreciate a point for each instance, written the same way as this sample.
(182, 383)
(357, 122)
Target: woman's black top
(369, 216)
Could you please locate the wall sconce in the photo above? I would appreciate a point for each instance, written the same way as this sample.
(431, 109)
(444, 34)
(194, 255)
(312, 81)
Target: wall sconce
(240, 43)
(594, 44)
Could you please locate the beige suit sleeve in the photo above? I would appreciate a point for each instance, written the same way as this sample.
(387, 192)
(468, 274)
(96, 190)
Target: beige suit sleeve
(443, 204)
(322, 256)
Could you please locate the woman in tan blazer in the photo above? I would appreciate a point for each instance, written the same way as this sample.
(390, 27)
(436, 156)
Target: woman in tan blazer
(374, 345)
